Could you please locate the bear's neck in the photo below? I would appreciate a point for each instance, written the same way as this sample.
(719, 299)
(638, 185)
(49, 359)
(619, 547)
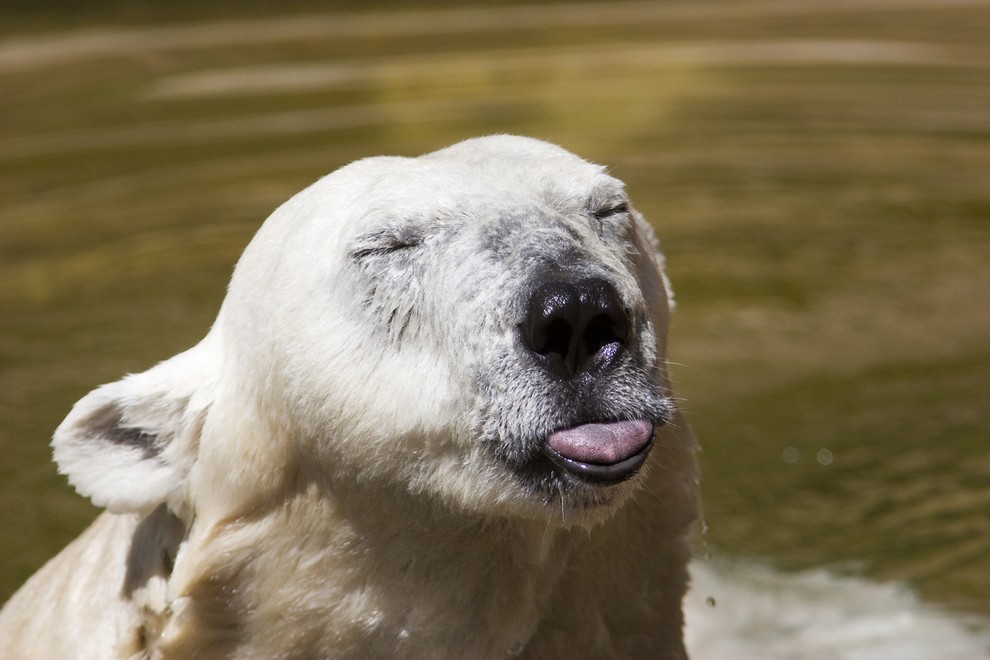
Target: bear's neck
(367, 574)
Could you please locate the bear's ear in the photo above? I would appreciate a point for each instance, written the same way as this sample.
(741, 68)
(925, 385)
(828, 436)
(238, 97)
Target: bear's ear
(129, 445)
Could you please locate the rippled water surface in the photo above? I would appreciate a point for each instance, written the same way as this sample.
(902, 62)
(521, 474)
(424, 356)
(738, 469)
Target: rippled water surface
(819, 174)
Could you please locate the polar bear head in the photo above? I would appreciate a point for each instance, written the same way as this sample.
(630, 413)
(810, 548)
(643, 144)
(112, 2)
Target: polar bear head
(484, 325)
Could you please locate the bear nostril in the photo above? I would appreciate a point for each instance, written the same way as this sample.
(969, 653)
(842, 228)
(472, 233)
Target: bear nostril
(557, 339)
(575, 328)
(605, 335)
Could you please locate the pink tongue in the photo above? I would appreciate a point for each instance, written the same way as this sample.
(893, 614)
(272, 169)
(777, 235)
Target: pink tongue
(602, 444)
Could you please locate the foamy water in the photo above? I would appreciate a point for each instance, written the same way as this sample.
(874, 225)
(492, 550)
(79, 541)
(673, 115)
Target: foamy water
(741, 611)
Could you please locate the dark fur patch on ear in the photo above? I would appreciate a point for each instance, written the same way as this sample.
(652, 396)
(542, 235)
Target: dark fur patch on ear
(107, 423)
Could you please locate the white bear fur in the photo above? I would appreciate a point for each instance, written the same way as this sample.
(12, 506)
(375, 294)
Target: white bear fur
(318, 477)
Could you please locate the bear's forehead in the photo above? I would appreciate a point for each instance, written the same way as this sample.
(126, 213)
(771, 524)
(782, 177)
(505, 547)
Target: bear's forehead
(475, 184)
(487, 188)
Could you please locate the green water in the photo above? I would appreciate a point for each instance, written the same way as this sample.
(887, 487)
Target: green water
(819, 173)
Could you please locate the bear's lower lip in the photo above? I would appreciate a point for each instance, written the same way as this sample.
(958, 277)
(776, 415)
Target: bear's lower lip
(601, 453)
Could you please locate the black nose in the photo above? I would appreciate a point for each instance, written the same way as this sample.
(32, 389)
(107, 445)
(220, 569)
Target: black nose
(575, 328)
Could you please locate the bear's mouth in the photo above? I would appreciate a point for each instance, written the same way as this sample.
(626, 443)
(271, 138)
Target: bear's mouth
(601, 452)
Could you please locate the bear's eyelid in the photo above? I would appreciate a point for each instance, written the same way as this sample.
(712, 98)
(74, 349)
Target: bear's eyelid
(384, 243)
(611, 209)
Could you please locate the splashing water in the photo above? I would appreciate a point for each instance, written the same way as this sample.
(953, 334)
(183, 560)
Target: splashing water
(761, 613)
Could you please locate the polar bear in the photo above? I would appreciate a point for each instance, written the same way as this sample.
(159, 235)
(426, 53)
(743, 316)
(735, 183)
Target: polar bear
(432, 419)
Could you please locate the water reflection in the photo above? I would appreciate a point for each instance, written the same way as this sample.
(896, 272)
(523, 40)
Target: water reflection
(817, 172)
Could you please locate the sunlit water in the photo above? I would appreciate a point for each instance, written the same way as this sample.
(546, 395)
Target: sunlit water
(817, 172)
